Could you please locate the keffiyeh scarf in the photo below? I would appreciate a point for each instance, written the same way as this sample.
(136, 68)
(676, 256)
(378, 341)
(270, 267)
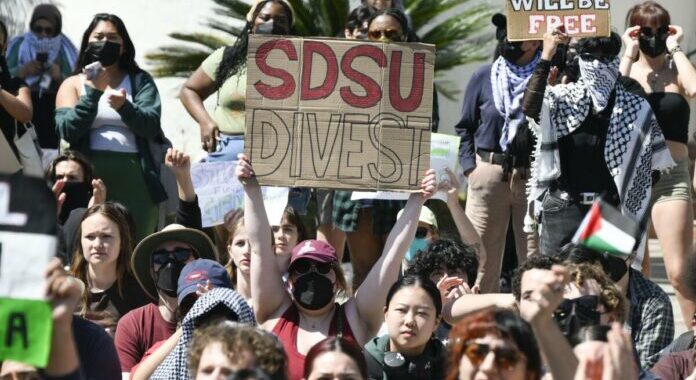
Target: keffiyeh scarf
(175, 365)
(509, 82)
(632, 126)
(30, 45)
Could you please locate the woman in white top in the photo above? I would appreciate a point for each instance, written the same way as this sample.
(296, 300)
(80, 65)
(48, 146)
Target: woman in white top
(110, 114)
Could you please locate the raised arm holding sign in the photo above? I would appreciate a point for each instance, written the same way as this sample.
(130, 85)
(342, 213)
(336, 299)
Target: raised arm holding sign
(530, 19)
(338, 113)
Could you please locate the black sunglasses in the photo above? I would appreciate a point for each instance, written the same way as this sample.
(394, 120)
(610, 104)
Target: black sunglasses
(589, 57)
(305, 266)
(161, 257)
(46, 30)
(647, 31)
(505, 357)
(422, 232)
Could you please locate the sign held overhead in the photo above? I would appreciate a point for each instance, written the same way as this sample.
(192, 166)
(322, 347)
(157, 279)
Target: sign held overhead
(530, 19)
(337, 113)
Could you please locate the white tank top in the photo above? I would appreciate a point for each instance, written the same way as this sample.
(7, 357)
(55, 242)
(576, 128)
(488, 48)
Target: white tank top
(108, 131)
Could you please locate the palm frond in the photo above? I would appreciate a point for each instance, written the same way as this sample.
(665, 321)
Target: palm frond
(235, 9)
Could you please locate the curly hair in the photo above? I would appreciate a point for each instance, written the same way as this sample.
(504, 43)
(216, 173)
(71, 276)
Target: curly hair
(448, 254)
(534, 262)
(498, 322)
(265, 348)
(234, 57)
(611, 297)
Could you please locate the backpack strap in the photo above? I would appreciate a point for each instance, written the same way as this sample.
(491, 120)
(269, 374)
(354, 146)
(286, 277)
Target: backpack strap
(339, 321)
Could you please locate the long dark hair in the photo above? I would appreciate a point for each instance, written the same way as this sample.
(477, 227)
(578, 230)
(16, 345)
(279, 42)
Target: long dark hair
(234, 57)
(419, 281)
(127, 60)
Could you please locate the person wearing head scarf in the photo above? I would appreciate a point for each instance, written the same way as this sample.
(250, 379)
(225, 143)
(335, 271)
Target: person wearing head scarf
(596, 139)
(43, 57)
(495, 149)
(217, 304)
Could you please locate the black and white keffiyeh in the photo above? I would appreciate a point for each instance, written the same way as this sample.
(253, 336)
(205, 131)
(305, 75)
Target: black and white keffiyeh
(600, 79)
(509, 82)
(175, 365)
(632, 126)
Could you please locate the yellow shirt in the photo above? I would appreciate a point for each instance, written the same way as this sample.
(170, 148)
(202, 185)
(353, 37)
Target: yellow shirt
(231, 97)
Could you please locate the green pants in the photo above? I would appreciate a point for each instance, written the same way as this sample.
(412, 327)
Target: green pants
(125, 184)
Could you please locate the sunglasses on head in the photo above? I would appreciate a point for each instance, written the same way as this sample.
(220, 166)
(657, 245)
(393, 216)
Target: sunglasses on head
(45, 30)
(422, 232)
(391, 34)
(306, 266)
(505, 357)
(161, 257)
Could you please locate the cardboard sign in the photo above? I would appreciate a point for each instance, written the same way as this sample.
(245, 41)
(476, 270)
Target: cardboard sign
(337, 113)
(27, 244)
(530, 19)
(444, 154)
(219, 192)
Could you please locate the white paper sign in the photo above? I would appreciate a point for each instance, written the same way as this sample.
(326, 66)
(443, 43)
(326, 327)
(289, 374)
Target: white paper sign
(444, 153)
(219, 192)
(23, 259)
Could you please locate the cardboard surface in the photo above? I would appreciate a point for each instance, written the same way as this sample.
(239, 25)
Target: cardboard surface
(337, 113)
(530, 19)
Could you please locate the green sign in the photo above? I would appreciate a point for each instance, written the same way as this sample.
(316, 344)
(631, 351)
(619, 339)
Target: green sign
(25, 330)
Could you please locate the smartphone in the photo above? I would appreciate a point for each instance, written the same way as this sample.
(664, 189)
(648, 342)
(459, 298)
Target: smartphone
(42, 57)
(92, 70)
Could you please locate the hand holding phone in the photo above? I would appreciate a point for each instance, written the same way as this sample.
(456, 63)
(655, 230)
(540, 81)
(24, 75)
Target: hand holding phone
(92, 70)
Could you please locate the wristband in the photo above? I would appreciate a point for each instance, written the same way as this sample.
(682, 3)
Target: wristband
(675, 50)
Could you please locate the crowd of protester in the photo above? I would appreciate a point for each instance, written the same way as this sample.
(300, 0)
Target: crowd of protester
(547, 128)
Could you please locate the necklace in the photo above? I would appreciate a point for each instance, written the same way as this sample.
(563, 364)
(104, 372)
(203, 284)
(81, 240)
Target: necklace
(656, 77)
(314, 322)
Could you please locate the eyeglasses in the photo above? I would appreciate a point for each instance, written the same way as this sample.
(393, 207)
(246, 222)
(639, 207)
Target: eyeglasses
(505, 357)
(305, 266)
(589, 57)
(422, 232)
(49, 30)
(390, 34)
(162, 256)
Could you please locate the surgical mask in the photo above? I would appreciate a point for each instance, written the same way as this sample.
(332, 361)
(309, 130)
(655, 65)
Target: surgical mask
(511, 51)
(574, 314)
(418, 244)
(167, 277)
(313, 291)
(106, 52)
(77, 195)
(652, 46)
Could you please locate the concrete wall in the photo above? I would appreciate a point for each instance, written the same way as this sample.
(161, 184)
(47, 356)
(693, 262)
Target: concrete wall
(149, 22)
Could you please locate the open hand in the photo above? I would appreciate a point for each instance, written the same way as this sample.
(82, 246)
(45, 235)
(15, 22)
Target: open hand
(630, 41)
(676, 35)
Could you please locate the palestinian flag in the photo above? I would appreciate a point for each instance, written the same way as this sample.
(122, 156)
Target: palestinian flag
(607, 229)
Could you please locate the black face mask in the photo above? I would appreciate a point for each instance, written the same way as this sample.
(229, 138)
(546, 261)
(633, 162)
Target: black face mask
(106, 52)
(652, 46)
(77, 195)
(313, 291)
(572, 315)
(167, 277)
(270, 27)
(511, 51)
